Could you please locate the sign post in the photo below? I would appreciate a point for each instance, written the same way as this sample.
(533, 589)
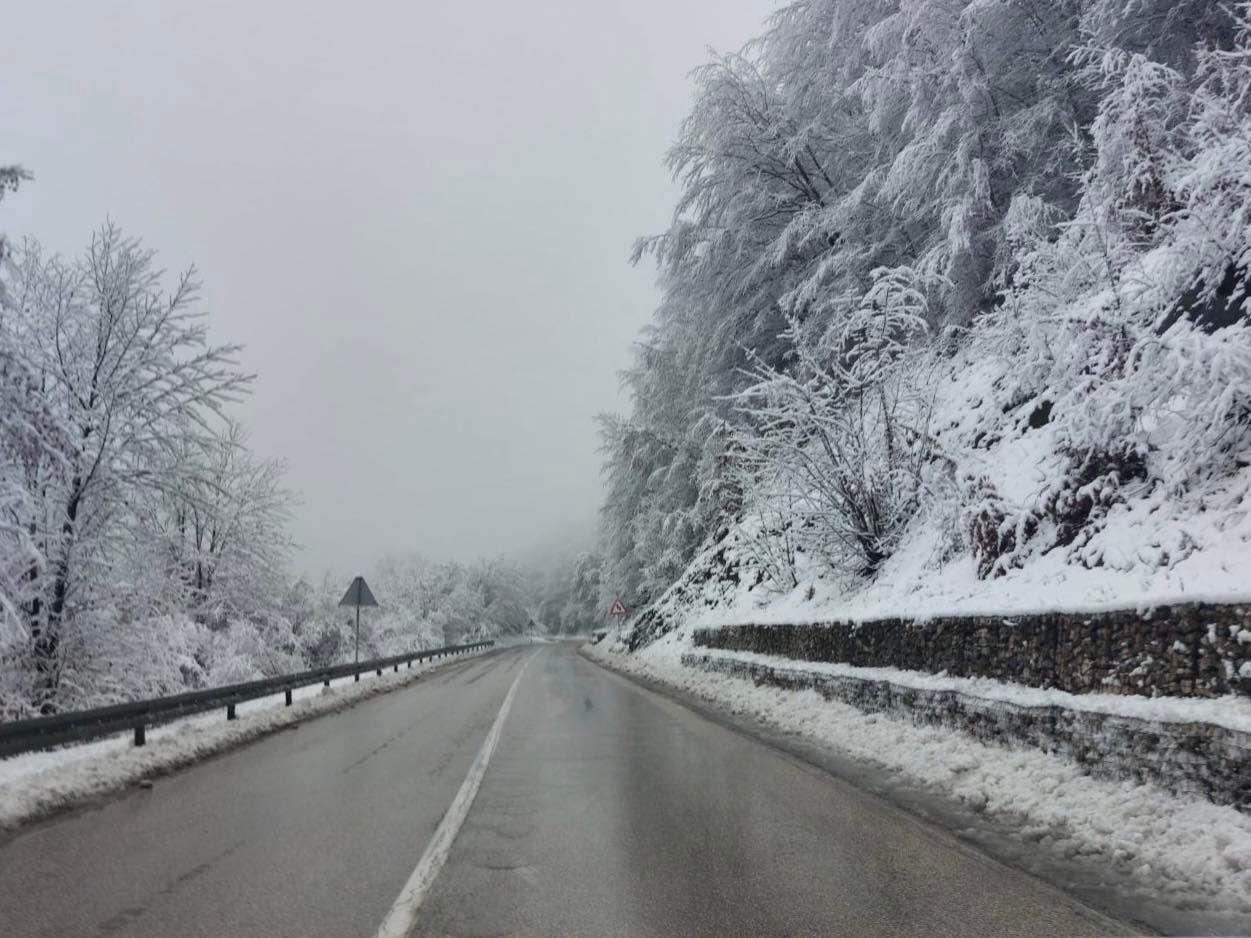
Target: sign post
(358, 595)
(618, 612)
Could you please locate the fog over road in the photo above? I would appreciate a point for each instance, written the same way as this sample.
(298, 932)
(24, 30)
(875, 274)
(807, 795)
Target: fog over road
(606, 809)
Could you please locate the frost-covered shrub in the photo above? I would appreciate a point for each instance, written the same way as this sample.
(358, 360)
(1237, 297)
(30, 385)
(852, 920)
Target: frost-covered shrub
(323, 644)
(837, 448)
(394, 632)
(1092, 483)
(995, 531)
(110, 658)
(770, 531)
(247, 650)
(16, 679)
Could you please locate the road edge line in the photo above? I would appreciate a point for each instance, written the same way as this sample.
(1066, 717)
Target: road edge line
(403, 913)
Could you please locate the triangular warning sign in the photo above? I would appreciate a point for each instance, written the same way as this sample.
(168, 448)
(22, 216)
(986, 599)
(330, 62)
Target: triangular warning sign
(358, 594)
(618, 609)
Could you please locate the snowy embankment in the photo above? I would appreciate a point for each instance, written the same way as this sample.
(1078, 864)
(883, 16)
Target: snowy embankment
(1151, 547)
(1180, 857)
(38, 784)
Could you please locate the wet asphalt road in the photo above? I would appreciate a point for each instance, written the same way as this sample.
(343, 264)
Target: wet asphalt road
(606, 810)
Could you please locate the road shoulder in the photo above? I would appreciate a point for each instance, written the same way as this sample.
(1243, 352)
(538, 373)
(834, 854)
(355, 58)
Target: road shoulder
(943, 817)
(40, 786)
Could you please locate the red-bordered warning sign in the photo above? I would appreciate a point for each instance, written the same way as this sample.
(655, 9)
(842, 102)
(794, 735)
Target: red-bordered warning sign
(618, 609)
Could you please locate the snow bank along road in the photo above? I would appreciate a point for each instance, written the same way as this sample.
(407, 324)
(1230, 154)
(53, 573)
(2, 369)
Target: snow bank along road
(603, 809)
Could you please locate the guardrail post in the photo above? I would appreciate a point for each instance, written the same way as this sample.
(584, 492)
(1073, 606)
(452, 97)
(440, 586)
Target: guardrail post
(230, 711)
(397, 667)
(410, 664)
(357, 677)
(288, 696)
(140, 737)
(326, 682)
(380, 672)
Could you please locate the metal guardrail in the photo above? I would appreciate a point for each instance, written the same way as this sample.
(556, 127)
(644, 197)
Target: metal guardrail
(46, 732)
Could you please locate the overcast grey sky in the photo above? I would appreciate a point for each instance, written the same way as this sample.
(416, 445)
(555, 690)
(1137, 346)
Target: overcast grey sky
(416, 216)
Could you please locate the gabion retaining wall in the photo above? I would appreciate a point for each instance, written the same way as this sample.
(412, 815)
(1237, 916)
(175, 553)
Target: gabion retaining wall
(1200, 650)
(1186, 758)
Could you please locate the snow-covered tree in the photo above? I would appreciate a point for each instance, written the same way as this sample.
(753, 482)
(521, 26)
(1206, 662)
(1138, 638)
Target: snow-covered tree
(223, 517)
(10, 178)
(1058, 188)
(110, 376)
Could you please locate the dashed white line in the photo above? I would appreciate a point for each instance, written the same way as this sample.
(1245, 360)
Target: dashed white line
(403, 914)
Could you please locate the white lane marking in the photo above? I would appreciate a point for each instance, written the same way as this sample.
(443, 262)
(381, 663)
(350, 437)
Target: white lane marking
(403, 914)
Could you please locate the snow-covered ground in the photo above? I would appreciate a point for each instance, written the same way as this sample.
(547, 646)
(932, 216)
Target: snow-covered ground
(1182, 853)
(916, 583)
(1152, 548)
(38, 783)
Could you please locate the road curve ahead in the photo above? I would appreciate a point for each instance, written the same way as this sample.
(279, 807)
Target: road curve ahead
(605, 809)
